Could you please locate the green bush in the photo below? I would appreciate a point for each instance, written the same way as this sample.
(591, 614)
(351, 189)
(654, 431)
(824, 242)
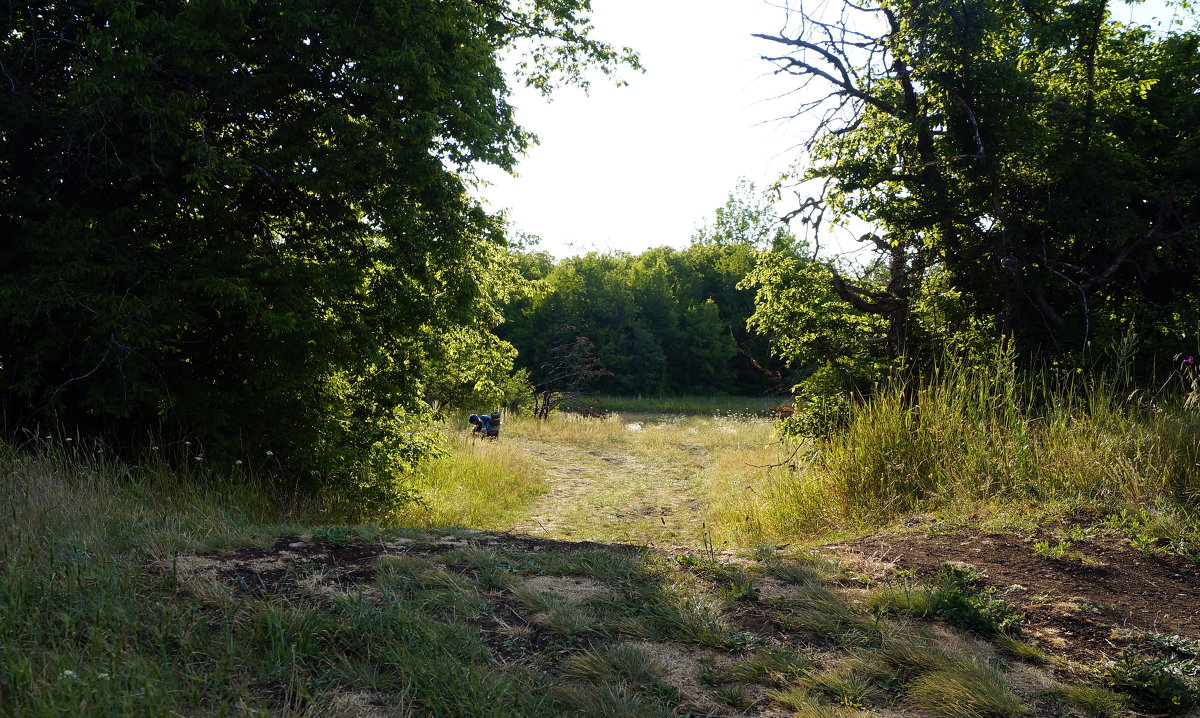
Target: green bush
(956, 601)
(1158, 683)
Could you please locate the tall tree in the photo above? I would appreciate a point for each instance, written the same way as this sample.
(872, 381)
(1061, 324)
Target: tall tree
(249, 223)
(1041, 156)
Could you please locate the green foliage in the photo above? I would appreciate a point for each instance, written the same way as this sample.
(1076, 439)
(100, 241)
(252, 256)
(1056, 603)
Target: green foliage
(819, 416)
(957, 601)
(1025, 171)
(248, 224)
(664, 322)
(337, 536)
(1156, 682)
(954, 597)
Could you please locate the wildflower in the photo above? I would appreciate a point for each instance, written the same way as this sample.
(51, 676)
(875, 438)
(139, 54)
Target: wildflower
(69, 439)
(238, 462)
(68, 673)
(1190, 361)
(103, 676)
(199, 458)
(270, 453)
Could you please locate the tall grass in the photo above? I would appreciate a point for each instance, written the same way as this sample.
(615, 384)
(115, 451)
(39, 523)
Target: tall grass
(81, 625)
(967, 437)
(479, 483)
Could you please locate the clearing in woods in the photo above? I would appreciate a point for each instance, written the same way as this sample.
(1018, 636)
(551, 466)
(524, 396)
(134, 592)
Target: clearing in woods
(647, 479)
(629, 478)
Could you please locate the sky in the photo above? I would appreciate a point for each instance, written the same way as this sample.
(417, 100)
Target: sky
(640, 166)
(628, 168)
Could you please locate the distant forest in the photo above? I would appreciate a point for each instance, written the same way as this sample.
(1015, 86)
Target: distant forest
(666, 321)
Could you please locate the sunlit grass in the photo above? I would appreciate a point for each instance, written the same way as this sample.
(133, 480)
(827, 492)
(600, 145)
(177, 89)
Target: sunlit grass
(478, 483)
(971, 441)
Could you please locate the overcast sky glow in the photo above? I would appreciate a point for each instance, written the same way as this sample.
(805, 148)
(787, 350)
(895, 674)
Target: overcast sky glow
(628, 168)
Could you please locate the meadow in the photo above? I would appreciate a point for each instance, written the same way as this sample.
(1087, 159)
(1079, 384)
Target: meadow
(124, 596)
(641, 564)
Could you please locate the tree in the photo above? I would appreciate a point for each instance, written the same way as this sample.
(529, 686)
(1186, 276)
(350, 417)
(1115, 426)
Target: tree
(249, 223)
(569, 366)
(1041, 156)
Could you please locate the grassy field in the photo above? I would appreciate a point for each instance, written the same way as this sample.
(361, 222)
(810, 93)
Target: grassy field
(123, 595)
(144, 590)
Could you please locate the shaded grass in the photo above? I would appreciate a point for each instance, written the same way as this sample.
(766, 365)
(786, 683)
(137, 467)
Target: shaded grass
(707, 405)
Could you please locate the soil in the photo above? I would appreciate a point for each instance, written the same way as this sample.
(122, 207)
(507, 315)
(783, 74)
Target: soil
(1086, 610)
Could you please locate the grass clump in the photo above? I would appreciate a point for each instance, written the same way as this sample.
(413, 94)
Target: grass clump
(966, 689)
(610, 700)
(1093, 701)
(776, 666)
(817, 609)
(619, 662)
(955, 597)
(852, 682)
(679, 610)
(1020, 649)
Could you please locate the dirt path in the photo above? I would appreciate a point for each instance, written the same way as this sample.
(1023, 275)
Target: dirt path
(634, 496)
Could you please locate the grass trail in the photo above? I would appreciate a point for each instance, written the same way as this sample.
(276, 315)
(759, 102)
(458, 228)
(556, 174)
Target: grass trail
(630, 478)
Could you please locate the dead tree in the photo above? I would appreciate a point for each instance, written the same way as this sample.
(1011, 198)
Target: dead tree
(571, 364)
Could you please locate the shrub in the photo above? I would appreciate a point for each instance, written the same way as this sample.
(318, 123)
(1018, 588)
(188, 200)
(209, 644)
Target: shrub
(956, 601)
(1159, 683)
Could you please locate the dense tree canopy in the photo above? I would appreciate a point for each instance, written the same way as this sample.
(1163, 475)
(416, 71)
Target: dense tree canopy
(664, 321)
(1029, 169)
(248, 223)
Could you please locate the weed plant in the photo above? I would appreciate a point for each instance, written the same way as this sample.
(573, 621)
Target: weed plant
(955, 597)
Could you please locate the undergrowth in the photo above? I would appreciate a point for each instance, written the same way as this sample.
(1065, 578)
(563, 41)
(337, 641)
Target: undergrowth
(969, 437)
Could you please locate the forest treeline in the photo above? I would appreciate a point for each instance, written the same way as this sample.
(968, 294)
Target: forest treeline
(663, 322)
(249, 228)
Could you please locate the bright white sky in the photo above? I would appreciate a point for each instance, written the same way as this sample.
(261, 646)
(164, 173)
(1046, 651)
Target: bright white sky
(642, 166)
(628, 168)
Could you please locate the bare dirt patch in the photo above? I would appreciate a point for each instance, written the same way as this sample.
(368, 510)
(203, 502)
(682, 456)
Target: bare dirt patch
(1087, 610)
